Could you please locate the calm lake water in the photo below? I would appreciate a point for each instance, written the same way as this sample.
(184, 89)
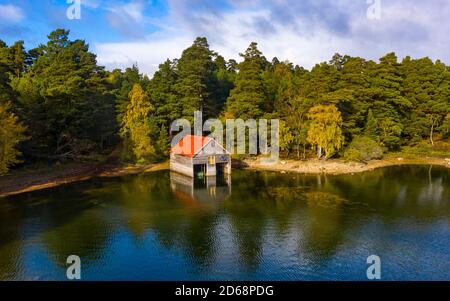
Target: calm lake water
(255, 226)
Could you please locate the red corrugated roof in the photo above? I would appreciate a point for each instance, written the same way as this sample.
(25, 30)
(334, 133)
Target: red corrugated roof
(190, 145)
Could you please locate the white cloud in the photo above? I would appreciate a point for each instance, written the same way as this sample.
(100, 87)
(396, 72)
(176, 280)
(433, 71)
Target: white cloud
(134, 10)
(148, 55)
(305, 33)
(128, 18)
(11, 13)
(236, 31)
(91, 3)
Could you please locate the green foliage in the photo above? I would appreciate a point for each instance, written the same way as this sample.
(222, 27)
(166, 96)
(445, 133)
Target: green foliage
(363, 149)
(371, 128)
(161, 89)
(11, 134)
(286, 137)
(445, 127)
(296, 117)
(64, 99)
(393, 103)
(74, 109)
(427, 86)
(19, 58)
(123, 83)
(196, 71)
(248, 97)
(425, 149)
(6, 71)
(390, 133)
(163, 143)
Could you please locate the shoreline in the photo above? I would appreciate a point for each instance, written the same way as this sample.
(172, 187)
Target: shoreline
(23, 182)
(28, 181)
(339, 167)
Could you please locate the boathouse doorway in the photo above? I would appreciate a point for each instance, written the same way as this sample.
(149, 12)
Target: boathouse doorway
(200, 170)
(221, 168)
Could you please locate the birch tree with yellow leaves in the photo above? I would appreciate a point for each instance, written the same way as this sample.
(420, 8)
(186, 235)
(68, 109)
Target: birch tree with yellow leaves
(136, 128)
(325, 133)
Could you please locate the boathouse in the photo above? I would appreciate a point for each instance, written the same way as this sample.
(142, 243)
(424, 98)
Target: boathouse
(199, 156)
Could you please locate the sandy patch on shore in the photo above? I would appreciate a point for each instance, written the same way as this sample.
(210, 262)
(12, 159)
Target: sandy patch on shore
(338, 166)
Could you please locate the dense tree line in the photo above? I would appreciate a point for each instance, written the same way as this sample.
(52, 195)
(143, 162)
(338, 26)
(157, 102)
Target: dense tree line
(57, 103)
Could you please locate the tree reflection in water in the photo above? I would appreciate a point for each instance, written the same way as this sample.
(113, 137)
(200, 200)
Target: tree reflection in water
(291, 226)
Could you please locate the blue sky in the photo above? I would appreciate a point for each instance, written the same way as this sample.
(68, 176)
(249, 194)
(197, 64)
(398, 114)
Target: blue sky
(305, 32)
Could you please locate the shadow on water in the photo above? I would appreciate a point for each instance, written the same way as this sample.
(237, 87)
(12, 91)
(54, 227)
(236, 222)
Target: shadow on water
(62, 220)
(259, 225)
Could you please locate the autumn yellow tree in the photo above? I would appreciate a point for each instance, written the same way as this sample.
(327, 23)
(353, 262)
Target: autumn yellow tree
(11, 133)
(286, 137)
(325, 132)
(136, 127)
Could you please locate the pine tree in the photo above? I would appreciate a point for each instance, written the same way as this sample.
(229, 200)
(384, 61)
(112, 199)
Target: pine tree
(352, 97)
(248, 97)
(421, 86)
(64, 100)
(323, 81)
(72, 107)
(371, 128)
(338, 61)
(163, 143)
(386, 99)
(196, 71)
(390, 133)
(19, 58)
(6, 69)
(445, 127)
(161, 89)
(125, 82)
(225, 75)
(283, 83)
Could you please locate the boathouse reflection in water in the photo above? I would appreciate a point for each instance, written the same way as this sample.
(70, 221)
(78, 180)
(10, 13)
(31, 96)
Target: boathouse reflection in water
(200, 190)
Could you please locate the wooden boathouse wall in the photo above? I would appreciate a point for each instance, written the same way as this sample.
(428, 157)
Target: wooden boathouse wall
(182, 164)
(209, 156)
